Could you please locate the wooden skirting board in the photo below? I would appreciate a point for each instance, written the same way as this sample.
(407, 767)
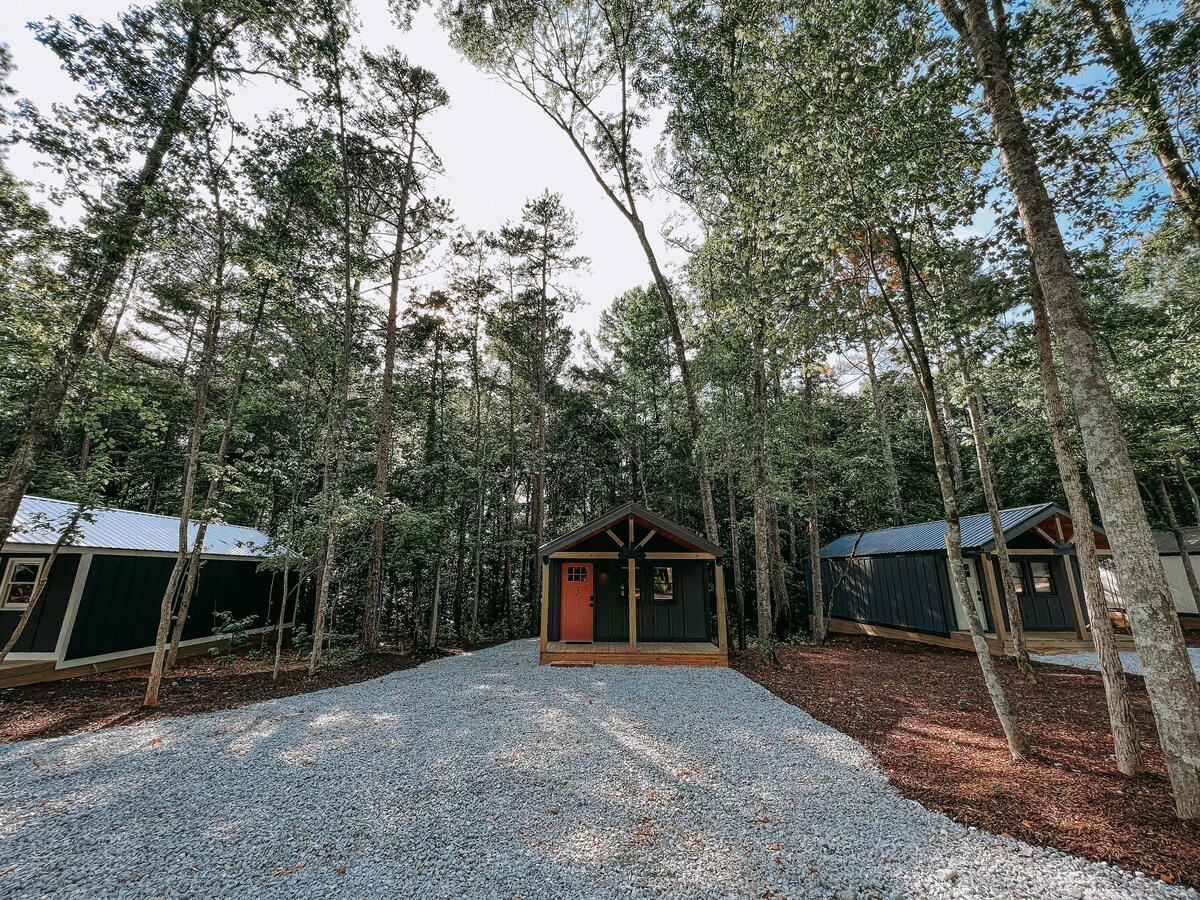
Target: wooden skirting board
(19, 672)
(1049, 644)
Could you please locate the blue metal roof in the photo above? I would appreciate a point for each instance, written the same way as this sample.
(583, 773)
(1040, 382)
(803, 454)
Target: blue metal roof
(927, 537)
(40, 521)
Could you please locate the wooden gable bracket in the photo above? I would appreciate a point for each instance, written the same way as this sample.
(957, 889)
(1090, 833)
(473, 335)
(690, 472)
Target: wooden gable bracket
(643, 541)
(620, 543)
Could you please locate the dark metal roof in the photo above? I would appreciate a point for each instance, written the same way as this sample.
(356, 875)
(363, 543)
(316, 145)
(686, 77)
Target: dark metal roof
(1166, 541)
(620, 514)
(928, 537)
(40, 520)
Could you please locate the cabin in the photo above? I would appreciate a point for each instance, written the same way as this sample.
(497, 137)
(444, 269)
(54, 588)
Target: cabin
(896, 582)
(100, 607)
(677, 615)
(1173, 562)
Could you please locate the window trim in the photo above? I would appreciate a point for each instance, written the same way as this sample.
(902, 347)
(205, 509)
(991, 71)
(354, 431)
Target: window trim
(5, 603)
(1049, 577)
(665, 601)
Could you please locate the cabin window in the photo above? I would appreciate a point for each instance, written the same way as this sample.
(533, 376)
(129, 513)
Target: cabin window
(1042, 582)
(577, 573)
(1018, 577)
(20, 579)
(664, 584)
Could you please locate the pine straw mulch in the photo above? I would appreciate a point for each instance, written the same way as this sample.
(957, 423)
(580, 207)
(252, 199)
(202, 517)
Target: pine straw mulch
(924, 713)
(198, 684)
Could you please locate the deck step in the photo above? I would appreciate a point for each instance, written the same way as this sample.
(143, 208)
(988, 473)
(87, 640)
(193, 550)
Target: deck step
(571, 664)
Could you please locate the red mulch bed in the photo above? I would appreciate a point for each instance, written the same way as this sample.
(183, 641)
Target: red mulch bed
(924, 713)
(197, 685)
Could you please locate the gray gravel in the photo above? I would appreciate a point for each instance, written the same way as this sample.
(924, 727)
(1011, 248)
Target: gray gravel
(1130, 660)
(486, 776)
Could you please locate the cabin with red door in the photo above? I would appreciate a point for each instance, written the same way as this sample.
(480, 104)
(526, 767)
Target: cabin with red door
(677, 615)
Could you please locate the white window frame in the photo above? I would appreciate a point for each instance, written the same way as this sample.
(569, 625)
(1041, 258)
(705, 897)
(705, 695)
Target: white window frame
(40, 563)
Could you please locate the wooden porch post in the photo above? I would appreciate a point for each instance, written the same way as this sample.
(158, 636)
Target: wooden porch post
(722, 626)
(632, 594)
(1069, 568)
(993, 598)
(545, 604)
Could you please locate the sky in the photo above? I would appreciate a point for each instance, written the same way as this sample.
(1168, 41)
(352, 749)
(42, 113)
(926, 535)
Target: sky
(498, 149)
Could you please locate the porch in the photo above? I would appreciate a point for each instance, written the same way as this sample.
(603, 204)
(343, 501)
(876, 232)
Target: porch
(651, 653)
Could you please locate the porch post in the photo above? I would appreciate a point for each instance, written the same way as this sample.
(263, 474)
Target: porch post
(1069, 563)
(545, 604)
(632, 593)
(993, 592)
(722, 626)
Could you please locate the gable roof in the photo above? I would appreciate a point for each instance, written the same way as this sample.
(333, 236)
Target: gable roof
(40, 521)
(640, 513)
(928, 537)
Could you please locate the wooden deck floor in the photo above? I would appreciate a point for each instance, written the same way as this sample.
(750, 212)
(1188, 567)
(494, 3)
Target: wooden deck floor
(650, 653)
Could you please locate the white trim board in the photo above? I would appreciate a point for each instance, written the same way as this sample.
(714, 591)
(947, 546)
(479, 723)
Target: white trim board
(138, 651)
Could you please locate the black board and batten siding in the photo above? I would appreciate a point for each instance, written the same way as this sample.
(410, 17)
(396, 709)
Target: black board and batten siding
(907, 591)
(686, 618)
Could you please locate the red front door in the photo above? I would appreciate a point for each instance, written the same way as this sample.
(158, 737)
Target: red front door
(577, 601)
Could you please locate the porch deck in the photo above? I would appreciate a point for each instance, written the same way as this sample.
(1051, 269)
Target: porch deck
(649, 653)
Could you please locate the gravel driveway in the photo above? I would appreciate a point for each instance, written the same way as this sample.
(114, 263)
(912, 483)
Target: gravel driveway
(1130, 661)
(486, 776)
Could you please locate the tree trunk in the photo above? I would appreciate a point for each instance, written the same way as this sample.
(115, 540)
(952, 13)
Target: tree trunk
(1135, 80)
(735, 550)
(951, 432)
(1016, 623)
(918, 359)
(779, 589)
(383, 447)
(191, 468)
(1116, 692)
(762, 557)
(820, 625)
(1166, 666)
(117, 240)
(885, 433)
(1191, 491)
(435, 605)
(1164, 499)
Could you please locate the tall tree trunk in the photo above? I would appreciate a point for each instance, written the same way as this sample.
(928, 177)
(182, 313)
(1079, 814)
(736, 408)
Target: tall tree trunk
(1168, 508)
(1166, 666)
(779, 588)
(1116, 692)
(735, 551)
(885, 433)
(762, 556)
(191, 468)
(1140, 90)
(117, 240)
(951, 432)
(340, 395)
(1016, 621)
(435, 605)
(460, 572)
(918, 359)
(1191, 491)
(820, 624)
(383, 447)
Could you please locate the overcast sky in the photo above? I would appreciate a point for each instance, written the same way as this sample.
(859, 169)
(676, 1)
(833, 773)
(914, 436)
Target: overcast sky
(498, 149)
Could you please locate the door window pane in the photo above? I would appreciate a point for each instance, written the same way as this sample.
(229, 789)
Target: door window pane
(1017, 577)
(1042, 582)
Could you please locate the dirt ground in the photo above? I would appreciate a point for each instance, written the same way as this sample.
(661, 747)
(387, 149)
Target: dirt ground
(925, 715)
(198, 684)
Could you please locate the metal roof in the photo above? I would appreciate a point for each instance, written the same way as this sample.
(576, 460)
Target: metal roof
(927, 537)
(1168, 547)
(622, 513)
(40, 521)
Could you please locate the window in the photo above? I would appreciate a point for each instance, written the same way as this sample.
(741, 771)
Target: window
(20, 579)
(1042, 582)
(1018, 577)
(577, 573)
(664, 584)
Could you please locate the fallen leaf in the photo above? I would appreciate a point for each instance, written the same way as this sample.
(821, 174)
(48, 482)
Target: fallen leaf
(294, 868)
